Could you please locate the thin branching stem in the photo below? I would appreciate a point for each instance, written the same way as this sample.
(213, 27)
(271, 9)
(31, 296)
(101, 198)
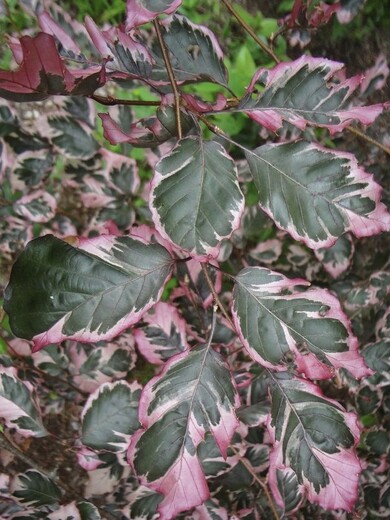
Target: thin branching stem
(250, 31)
(369, 139)
(171, 75)
(261, 482)
(111, 101)
(215, 295)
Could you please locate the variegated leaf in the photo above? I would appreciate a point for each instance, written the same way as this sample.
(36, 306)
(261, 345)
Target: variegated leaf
(194, 52)
(142, 504)
(315, 438)
(316, 194)
(143, 11)
(301, 93)
(38, 206)
(337, 259)
(88, 293)
(17, 405)
(35, 489)
(277, 318)
(110, 416)
(163, 335)
(196, 201)
(194, 393)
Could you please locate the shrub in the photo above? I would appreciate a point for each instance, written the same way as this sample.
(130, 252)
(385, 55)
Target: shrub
(191, 290)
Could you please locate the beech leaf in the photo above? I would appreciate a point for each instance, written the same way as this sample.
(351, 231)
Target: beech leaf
(35, 489)
(194, 394)
(301, 93)
(143, 11)
(315, 438)
(196, 200)
(42, 73)
(316, 194)
(277, 318)
(110, 416)
(17, 404)
(88, 293)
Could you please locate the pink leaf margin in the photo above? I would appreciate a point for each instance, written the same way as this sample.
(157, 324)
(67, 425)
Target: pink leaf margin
(343, 467)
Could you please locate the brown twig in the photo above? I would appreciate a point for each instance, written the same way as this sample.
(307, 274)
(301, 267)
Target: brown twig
(215, 295)
(261, 483)
(110, 101)
(250, 31)
(168, 65)
(369, 139)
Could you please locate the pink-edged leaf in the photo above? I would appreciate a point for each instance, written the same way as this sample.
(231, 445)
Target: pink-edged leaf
(277, 317)
(88, 459)
(302, 93)
(348, 9)
(143, 11)
(375, 77)
(18, 407)
(34, 489)
(194, 394)
(38, 206)
(163, 334)
(126, 55)
(211, 510)
(50, 26)
(110, 416)
(317, 194)
(148, 132)
(141, 504)
(190, 204)
(267, 252)
(43, 73)
(337, 259)
(88, 293)
(315, 438)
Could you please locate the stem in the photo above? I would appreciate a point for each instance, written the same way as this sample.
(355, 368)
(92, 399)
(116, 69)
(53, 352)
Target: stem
(250, 31)
(110, 101)
(171, 75)
(261, 483)
(215, 295)
(369, 139)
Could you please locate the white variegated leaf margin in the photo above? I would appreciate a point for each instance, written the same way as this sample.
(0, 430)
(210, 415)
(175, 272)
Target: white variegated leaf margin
(375, 222)
(307, 363)
(101, 247)
(195, 163)
(343, 466)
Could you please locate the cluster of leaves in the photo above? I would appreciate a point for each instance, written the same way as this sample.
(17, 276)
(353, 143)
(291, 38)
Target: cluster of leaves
(194, 303)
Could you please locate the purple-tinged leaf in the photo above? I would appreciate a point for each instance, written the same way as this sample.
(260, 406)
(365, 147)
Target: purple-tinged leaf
(42, 73)
(88, 459)
(148, 132)
(38, 206)
(382, 328)
(196, 200)
(71, 137)
(337, 259)
(194, 393)
(194, 51)
(126, 55)
(163, 334)
(35, 489)
(110, 416)
(211, 510)
(50, 26)
(276, 318)
(88, 293)
(18, 407)
(289, 491)
(301, 92)
(317, 194)
(315, 438)
(143, 11)
(121, 172)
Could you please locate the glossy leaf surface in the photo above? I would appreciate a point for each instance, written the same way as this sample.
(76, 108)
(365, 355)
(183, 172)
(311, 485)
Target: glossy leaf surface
(88, 293)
